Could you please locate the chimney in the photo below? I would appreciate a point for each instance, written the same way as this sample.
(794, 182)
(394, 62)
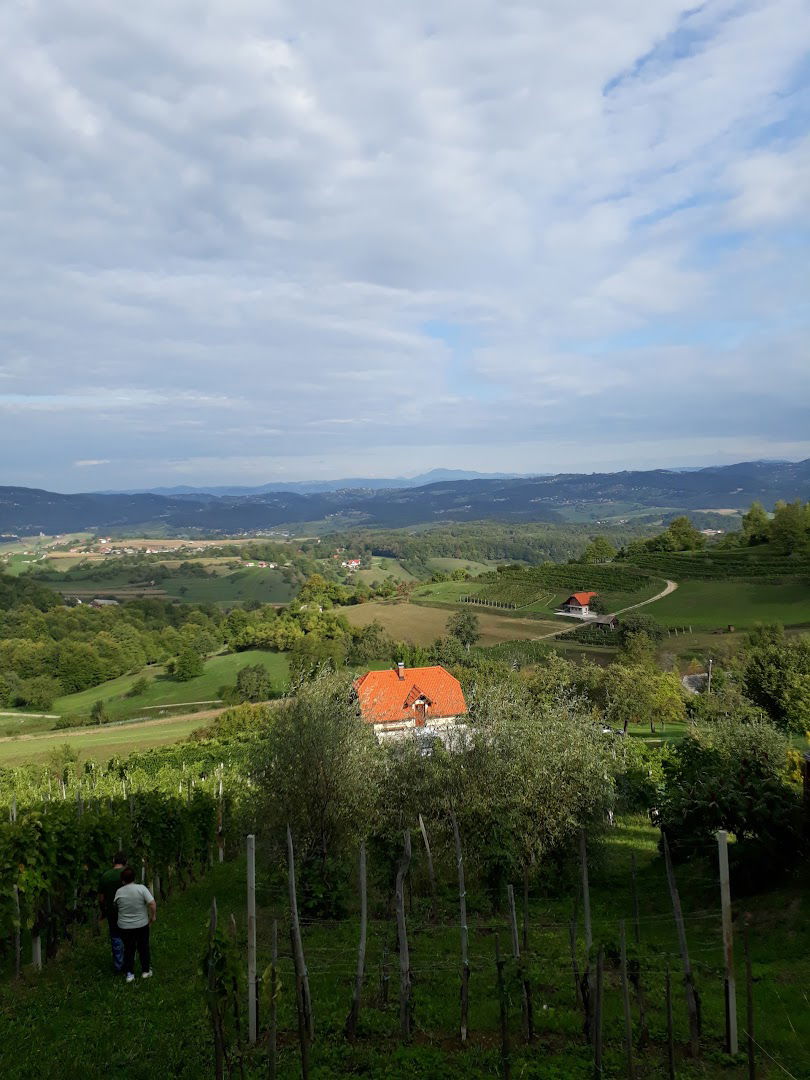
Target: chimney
(400, 670)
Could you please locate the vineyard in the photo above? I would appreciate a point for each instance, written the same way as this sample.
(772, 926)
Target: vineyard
(169, 810)
(544, 587)
(725, 566)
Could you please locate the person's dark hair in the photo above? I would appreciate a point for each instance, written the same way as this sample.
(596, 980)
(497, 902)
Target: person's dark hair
(127, 875)
(119, 859)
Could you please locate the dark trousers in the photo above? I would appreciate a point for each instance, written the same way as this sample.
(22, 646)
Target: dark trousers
(136, 939)
(117, 946)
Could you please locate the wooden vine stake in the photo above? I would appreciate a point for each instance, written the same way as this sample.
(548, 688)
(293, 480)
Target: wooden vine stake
(597, 1015)
(749, 1001)
(220, 826)
(237, 1019)
(462, 914)
(431, 872)
(692, 1004)
(670, 1027)
(587, 977)
(301, 974)
(635, 976)
(526, 908)
(526, 993)
(505, 1048)
(402, 941)
(728, 944)
(354, 1012)
(216, 1019)
(628, 1020)
(272, 1054)
(17, 941)
(251, 938)
(36, 950)
(572, 940)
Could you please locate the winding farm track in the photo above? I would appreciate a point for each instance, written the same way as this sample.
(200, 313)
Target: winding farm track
(670, 587)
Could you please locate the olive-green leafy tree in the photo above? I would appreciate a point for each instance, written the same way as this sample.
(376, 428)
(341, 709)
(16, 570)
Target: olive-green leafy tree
(316, 770)
(776, 676)
(464, 627)
(638, 694)
(733, 776)
(599, 550)
(188, 665)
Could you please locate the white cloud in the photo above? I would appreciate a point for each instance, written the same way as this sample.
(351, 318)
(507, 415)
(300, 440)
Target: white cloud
(352, 237)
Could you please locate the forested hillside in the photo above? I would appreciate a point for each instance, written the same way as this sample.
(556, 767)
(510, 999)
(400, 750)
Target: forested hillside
(563, 497)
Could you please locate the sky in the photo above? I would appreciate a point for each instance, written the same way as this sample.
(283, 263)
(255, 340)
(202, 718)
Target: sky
(255, 240)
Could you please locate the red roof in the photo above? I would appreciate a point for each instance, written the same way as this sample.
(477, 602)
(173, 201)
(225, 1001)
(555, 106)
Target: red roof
(387, 698)
(582, 598)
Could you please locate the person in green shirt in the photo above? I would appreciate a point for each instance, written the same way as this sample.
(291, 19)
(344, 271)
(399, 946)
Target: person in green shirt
(108, 885)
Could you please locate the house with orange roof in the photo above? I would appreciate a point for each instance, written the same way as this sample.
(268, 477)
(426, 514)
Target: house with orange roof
(578, 604)
(406, 701)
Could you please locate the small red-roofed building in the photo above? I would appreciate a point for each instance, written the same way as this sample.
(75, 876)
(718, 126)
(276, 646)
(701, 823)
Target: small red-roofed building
(578, 603)
(401, 701)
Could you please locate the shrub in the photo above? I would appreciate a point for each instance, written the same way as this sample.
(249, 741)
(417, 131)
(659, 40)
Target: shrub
(733, 776)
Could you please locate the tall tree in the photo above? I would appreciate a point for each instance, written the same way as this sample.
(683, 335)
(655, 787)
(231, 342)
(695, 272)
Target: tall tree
(464, 627)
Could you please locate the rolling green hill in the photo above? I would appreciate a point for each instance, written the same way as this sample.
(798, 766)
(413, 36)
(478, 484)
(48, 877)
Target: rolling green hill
(161, 690)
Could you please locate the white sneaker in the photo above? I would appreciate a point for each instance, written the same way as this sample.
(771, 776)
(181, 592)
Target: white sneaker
(146, 974)
(130, 977)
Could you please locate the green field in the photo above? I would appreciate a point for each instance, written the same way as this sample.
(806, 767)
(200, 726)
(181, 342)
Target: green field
(423, 623)
(162, 690)
(100, 743)
(251, 583)
(716, 604)
(97, 1026)
(381, 568)
(448, 565)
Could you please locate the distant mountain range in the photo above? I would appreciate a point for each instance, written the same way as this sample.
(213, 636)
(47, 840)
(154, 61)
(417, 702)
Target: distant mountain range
(24, 511)
(315, 487)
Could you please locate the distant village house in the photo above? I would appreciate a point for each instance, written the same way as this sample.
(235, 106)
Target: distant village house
(406, 701)
(578, 603)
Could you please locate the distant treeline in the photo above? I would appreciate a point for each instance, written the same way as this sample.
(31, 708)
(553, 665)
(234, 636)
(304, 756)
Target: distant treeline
(481, 542)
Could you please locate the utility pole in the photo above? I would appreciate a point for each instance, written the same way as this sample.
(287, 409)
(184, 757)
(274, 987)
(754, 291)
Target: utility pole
(709, 685)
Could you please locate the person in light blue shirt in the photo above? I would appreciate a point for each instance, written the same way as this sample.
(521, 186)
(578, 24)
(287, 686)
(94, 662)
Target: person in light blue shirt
(136, 910)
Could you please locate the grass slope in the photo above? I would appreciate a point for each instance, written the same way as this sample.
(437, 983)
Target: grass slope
(75, 1020)
(716, 604)
(100, 743)
(422, 623)
(161, 690)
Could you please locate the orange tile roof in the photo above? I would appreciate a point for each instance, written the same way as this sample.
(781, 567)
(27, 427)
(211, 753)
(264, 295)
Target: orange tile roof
(583, 598)
(386, 698)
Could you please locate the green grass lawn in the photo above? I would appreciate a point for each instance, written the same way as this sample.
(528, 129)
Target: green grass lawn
(448, 565)
(161, 690)
(100, 743)
(75, 1021)
(381, 568)
(251, 583)
(715, 604)
(445, 592)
